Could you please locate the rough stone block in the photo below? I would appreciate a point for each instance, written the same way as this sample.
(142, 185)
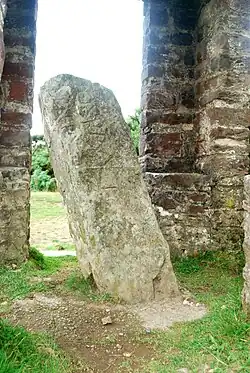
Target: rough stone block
(18, 91)
(182, 203)
(117, 236)
(17, 156)
(164, 144)
(178, 181)
(14, 215)
(227, 197)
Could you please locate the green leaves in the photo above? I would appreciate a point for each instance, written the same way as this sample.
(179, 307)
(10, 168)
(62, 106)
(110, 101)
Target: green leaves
(42, 175)
(134, 122)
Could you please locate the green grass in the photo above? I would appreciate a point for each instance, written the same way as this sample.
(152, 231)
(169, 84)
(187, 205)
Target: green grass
(46, 205)
(222, 338)
(85, 288)
(17, 284)
(49, 226)
(57, 245)
(22, 352)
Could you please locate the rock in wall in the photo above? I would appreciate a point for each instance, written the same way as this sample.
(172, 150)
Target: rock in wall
(111, 218)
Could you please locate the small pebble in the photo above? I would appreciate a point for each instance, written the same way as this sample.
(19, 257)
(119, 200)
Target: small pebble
(106, 320)
(127, 354)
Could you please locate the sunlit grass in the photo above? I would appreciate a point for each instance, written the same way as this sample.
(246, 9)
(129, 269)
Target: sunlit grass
(221, 340)
(46, 205)
(22, 352)
(17, 284)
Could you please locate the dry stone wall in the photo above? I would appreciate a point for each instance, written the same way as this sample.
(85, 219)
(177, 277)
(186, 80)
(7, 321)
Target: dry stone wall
(223, 97)
(16, 119)
(195, 135)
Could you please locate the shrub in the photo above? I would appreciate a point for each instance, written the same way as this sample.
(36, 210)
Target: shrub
(42, 175)
(133, 122)
(42, 181)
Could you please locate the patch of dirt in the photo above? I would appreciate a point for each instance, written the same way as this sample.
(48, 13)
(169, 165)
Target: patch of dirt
(162, 315)
(77, 327)
(44, 232)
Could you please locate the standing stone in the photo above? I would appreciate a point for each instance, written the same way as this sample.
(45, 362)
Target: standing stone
(111, 218)
(246, 245)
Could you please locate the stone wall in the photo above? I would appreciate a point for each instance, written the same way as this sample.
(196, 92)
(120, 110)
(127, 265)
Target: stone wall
(195, 130)
(16, 119)
(222, 91)
(195, 135)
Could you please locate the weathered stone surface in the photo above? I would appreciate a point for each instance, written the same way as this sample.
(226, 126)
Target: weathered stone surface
(14, 215)
(246, 245)
(112, 221)
(222, 75)
(195, 119)
(182, 203)
(16, 109)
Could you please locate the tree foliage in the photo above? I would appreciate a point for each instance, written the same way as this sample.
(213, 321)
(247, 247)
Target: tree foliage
(134, 124)
(42, 175)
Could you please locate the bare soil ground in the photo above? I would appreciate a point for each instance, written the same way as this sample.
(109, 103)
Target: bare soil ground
(77, 327)
(49, 232)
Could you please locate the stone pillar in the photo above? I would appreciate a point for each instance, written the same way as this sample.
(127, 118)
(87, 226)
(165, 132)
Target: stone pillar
(16, 120)
(222, 91)
(195, 120)
(168, 104)
(169, 128)
(246, 245)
